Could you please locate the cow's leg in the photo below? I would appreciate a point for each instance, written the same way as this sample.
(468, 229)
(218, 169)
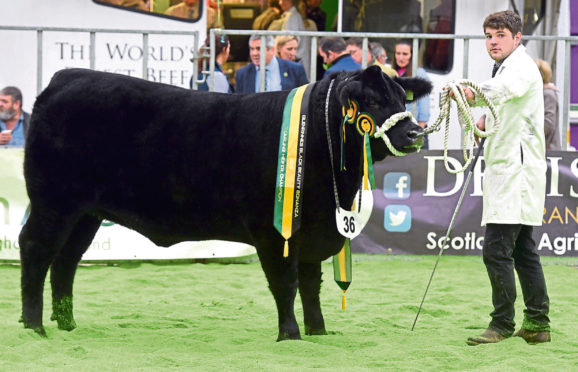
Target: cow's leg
(309, 287)
(281, 273)
(40, 240)
(64, 267)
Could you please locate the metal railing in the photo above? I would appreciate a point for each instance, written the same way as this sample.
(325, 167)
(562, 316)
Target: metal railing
(92, 44)
(567, 40)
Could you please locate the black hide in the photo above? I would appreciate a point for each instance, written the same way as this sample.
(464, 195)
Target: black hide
(175, 165)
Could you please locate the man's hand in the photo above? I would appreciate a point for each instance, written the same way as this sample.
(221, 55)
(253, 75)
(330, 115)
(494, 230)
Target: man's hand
(5, 137)
(481, 124)
(467, 91)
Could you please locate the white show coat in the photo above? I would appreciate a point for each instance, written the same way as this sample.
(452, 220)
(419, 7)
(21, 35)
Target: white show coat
(515, 175)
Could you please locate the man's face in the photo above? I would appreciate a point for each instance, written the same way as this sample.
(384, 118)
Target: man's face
(357, 53)
(7, 107)
(500, 43)
(327, 57)
(255, 52)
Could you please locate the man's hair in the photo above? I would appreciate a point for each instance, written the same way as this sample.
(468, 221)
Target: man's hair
(269, 40)
(376, 50)
(545, 70)
(14, 92)
(332, 44)
(357, 41)
(504, 19)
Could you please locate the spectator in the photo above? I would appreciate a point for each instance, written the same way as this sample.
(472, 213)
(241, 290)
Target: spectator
(280, 74)
(402, 62)
(335, 56)
(355, 48)
(514, 185)
(222, 49)
(286, 47)
(379, 58)
(316, 14)
(272, 13)
(551, 128)
(13, 121)
(294, 19)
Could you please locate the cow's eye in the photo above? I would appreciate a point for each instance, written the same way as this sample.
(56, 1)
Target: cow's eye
(372, 103)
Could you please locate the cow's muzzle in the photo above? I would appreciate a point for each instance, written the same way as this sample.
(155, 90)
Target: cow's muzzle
(415, 136)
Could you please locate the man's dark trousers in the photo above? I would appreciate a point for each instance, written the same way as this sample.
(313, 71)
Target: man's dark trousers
(507, 247)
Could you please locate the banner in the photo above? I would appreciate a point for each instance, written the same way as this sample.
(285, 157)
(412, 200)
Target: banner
(415, 198)
(112, 242)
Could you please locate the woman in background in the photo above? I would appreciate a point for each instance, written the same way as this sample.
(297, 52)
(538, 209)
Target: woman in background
(222, 49)
(286, 47)
(402, 65)
(550, 107)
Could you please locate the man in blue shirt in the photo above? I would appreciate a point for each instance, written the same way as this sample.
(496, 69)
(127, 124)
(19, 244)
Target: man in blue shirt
(280, 75)
(333, 50)
(13, 121)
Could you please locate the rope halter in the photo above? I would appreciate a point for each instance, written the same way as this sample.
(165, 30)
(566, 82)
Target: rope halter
(387, 125)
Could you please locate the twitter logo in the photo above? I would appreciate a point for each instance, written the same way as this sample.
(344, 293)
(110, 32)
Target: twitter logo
(397, 218)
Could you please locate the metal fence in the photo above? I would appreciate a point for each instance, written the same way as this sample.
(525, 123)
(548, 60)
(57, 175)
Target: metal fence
(567, 41)
(40, 31)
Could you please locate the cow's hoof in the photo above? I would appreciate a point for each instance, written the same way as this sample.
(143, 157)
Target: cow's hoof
(65, 323)
(62, 313)
(315, 331)
(284, 336)
(39, 330)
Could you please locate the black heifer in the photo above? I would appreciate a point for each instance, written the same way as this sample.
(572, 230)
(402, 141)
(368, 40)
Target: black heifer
(176, 165)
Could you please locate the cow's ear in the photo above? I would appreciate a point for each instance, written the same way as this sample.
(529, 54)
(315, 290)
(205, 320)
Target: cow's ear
(414, 87)
(374, 78)
(348, 90)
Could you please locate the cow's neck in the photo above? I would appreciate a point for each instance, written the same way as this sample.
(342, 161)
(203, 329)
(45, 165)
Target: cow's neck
(348, 179)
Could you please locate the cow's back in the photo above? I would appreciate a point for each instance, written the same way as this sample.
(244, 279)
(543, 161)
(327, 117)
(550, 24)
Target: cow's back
(171, 163)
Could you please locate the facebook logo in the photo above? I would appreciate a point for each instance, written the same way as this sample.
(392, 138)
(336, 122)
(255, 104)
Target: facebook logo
(396, 185)
(397, 218)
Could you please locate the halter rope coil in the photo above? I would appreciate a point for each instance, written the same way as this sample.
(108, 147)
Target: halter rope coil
(465, 118)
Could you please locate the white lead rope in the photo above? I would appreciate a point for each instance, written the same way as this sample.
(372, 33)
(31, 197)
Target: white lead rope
(465, 119)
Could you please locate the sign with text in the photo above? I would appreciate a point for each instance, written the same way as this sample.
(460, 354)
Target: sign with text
(415, 198)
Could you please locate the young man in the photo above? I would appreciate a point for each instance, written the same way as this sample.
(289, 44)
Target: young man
(514, 184)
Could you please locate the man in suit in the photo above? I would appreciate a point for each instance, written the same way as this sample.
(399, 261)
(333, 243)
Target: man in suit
(280, 74)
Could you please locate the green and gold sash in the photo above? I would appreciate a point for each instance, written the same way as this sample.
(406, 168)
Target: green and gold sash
(291, 164)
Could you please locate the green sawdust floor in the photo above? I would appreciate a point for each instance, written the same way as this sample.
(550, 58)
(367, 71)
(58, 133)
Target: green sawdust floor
(216, 317)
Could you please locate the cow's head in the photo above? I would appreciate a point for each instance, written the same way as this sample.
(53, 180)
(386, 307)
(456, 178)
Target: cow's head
(371, 100)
